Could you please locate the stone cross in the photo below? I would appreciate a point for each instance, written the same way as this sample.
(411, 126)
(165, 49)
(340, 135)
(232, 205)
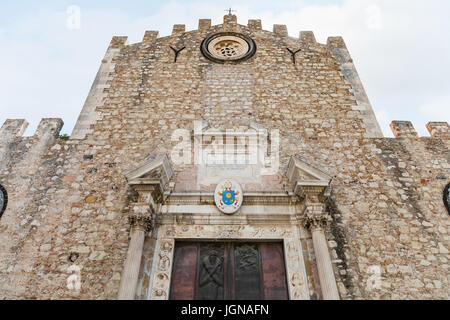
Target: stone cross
(230, 11)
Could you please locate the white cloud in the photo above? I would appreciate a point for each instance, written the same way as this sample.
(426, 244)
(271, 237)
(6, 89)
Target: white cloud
(399, 47)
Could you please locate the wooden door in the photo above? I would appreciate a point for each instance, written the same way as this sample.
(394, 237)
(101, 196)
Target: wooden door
(228, 270)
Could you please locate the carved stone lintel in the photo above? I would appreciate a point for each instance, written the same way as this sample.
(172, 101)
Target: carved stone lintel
(313, 194)
(141, 222)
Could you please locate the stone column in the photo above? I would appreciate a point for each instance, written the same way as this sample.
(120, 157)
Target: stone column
(316, 221)
(140, 226)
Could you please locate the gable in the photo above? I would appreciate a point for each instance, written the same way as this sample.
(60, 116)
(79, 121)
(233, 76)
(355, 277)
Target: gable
(300, 173)
(156, 169)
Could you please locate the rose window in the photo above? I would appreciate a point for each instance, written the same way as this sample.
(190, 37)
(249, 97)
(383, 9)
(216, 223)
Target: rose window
(228, 46)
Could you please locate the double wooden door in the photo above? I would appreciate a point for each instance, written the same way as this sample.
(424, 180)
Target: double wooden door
(228, 270)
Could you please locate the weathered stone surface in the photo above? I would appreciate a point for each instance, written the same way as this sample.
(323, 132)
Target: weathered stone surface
(388, 234)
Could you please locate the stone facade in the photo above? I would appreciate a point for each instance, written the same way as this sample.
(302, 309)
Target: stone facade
(379, 199)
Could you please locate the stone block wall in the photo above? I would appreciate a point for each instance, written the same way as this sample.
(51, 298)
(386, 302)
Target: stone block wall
(68, 200)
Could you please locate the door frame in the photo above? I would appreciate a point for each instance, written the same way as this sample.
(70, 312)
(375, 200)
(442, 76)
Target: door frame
(161, 273)
(229, 247)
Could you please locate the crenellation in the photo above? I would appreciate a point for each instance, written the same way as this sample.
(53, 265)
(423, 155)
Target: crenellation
(439, 130)
(403, 129)
(336, 43)
(229, 19)
(204, 25)
(307, 37)
(49, 127)
(13, 127)
(150, 36)
(280, 29)
(178, 29)
(11, 133)
(254, 24)
(118, 42)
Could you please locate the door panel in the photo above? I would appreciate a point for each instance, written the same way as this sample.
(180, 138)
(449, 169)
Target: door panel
(231, 271)
(184, 271)
(211, 276)
(273, 271)
(246, 272)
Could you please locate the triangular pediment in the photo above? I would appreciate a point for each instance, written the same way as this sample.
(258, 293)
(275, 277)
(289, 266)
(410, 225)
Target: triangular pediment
(301, 173)
(156, 169)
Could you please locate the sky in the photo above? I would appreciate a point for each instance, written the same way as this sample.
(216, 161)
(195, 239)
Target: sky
(51, 50)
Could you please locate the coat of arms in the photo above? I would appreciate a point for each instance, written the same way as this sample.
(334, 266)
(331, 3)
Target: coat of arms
(228, 196)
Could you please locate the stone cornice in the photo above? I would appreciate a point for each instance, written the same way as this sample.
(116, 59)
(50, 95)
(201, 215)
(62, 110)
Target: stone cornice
(251, 198)
(313, 193)
(151, 178)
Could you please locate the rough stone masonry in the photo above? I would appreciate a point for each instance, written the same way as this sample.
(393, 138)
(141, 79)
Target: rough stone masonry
(69, 202)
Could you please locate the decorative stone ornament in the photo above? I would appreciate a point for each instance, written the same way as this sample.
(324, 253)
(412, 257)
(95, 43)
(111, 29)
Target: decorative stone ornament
(447, 197)
(3, 199)
(228, 47)
(228, 196)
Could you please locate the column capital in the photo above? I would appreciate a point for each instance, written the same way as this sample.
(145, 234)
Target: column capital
(315, 216)
(141, 222)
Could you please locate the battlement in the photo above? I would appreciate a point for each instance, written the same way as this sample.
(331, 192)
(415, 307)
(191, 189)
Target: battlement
(118, 41)
(13, 127)
(230, 20)
(405, 129)
(336, 43)
(204, 24)
(280, 29)
(439, 129)
(178, 29)
(307, 37)
(17, 127)
(16, 148)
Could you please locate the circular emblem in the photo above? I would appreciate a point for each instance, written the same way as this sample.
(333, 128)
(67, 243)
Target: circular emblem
(228, 196)
(3, 199)
(228, 47)
(447, 197)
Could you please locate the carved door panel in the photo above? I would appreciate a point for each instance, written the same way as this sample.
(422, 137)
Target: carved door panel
(210, 271)
(231, 271)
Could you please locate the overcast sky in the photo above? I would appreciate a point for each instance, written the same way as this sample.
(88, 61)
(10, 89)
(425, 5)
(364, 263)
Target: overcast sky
(48, 61)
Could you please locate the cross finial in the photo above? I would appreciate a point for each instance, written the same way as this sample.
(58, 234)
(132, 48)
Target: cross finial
(230, 11)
